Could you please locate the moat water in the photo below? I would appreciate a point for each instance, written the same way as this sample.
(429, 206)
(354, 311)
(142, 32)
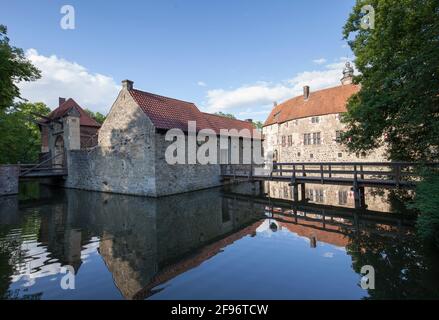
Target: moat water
(234, 243)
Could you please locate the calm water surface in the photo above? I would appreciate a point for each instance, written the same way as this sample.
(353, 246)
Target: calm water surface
(214, 244)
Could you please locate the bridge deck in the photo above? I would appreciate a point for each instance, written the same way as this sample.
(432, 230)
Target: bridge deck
(326, 180)
(43, 174)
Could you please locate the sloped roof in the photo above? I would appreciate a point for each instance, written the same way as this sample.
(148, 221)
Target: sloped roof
(218, 122)
(322, 102)
(169, 113)
(84, 119)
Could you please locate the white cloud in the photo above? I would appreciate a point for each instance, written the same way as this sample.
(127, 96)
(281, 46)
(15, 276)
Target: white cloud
(258, 96)
(328, 254)
(261, 93)
(319, 61)
(201, 84)
(62, 78)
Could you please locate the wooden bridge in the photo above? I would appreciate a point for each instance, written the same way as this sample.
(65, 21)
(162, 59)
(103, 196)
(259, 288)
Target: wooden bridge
(45, 169)
(356, 174)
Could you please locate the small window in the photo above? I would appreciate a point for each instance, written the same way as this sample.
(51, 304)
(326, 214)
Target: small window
(290, 140)
(363, 154)
(307, 139)
(315, 120)
(338, 136)
(357, 154)
(342, 197)
(311, 156)
(298, 154)
(316, 138)
(283, 141)
(285, 191)
(319, 196)
(340, 155)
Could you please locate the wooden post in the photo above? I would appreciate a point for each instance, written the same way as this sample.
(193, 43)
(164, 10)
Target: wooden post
(302, 192)
(296, 192)
(397, 174)
(321, 174)
(330, 171)
(359, 198)
(355, 175)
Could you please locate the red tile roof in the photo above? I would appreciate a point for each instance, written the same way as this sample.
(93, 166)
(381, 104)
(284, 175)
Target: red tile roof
(169, 113)
(322, 102)
(218, 122)
(85, 119)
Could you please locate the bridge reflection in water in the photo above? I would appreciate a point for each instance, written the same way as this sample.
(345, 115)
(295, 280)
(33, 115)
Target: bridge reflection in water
(180, 246)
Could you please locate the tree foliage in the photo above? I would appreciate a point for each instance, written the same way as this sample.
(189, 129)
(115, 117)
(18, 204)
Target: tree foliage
(258, 124)
(14, 67)
(99, 117)
(398, 104)
(427, 202)
(227, 115)
(20, 136)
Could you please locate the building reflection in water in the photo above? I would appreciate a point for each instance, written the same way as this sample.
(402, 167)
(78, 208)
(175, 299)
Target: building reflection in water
(145, 242)
(341, 196)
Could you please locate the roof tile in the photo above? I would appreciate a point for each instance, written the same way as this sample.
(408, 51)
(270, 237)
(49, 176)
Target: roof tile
(85, 119)
(326, 101)
(169, 113)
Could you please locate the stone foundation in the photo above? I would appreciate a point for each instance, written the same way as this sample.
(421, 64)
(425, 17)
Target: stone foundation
(9, 179)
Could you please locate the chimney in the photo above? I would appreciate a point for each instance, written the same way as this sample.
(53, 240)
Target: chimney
(61, 101)
(127, 84)
(274, 104)
(306, 92)
(249, 120)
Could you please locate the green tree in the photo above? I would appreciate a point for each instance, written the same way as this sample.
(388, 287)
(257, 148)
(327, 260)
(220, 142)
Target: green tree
(99, 117)
(258, 124)
(227, 115)
(398, 104)
(20, 136)
(14, 67)
(426, 201)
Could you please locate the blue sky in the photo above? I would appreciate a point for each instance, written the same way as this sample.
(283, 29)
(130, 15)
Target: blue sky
(234, 56)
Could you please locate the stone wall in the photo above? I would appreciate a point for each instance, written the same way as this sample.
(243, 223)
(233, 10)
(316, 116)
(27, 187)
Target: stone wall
(9, 179)
(178, 178)
(123, 162)
(329, 150)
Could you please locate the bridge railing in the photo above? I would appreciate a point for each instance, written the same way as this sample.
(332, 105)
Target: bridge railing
(42, 167)
(397, 172)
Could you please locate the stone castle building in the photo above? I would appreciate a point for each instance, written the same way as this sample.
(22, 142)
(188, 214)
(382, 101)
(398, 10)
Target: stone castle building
(307, 128)
(129, 156)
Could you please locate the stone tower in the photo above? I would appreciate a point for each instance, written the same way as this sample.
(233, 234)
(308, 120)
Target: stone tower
(348, 74)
